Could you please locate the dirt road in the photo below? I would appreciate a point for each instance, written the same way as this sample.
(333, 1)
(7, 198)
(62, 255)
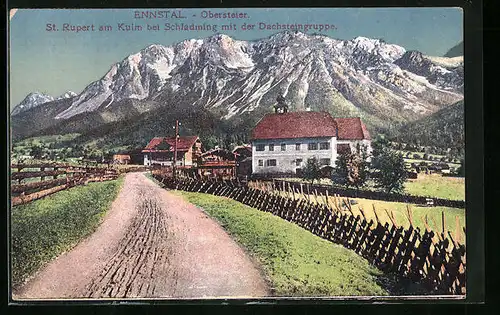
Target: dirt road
(151, 244)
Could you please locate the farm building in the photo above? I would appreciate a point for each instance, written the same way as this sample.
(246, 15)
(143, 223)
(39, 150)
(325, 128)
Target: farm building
(217, 163)
(243, 155)
(121, 159)
(217, 155)
(161, 150)
(282, 142)
(242, 152)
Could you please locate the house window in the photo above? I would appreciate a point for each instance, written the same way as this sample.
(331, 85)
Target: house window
(298, 162)
(271, 162)
(260, 147)
(261, 163)
(312, 146)
(324, 146)
(324, 161)
(271, 147)
(297, 146)
(283, 147)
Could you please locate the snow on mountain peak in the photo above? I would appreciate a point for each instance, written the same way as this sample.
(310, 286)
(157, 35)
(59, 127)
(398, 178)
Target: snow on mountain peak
(237, 74)
(68, 94)
(32, 100)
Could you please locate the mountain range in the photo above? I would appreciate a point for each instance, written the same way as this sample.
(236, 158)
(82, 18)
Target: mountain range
(227, 85)
(443, 129)
(455, 51)
(35, 99)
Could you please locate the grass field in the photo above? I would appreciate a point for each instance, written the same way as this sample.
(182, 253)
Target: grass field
(48, 139)
(43, 229)
(295, 262)
(418, 161)
(436, 185)
(432, 185)
(434, 216)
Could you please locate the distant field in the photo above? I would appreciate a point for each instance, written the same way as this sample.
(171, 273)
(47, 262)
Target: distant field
(48, 139)
(436, 185)
(399, 209)
(404, 152)
(433, 185)
(434, 215)
(452, 165)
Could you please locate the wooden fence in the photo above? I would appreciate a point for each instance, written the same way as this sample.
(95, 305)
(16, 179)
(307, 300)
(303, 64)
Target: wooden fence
(30, 182)
(373, 195)
(434, 260)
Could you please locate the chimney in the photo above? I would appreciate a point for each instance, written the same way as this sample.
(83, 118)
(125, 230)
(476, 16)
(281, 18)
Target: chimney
(281, 107)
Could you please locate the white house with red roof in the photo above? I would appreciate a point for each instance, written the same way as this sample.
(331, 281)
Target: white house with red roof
(160, 151)
(283, 142)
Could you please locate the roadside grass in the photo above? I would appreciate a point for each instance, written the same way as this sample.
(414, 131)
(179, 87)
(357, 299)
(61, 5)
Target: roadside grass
(437, 186)
(43, 229)
(295, 261)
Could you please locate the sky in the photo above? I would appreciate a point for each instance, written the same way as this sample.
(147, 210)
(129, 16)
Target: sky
(54, 61)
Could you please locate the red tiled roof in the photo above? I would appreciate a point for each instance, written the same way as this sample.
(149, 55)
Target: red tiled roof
(295, 125)
(183, 143)
(309, 125)
(352, 129)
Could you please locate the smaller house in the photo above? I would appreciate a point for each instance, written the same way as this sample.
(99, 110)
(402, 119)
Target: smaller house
(243, 156)
(242, 152)
(121, 159)
(162, 151)
(217, 163)
(244, 167)
(217, 155)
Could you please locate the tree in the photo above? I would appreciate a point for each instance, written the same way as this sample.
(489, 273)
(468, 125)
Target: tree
(351, 169)
(391, 171)
(379, 145)
(312, 170)
(36, 151)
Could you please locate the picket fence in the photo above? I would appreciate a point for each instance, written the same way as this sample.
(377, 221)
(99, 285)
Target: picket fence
(439, 265)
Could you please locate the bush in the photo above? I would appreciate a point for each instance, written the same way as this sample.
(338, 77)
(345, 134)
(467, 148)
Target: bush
(351, 170)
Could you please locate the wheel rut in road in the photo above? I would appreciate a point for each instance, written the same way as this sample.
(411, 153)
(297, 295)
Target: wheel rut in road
(144, 251)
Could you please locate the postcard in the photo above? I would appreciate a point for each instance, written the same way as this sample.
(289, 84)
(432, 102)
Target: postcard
(237, 154)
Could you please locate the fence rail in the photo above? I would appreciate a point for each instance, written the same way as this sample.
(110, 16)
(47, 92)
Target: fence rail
(22, 193)
(434, 260)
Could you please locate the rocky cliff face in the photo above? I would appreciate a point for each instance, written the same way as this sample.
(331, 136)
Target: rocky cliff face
(381, 82)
